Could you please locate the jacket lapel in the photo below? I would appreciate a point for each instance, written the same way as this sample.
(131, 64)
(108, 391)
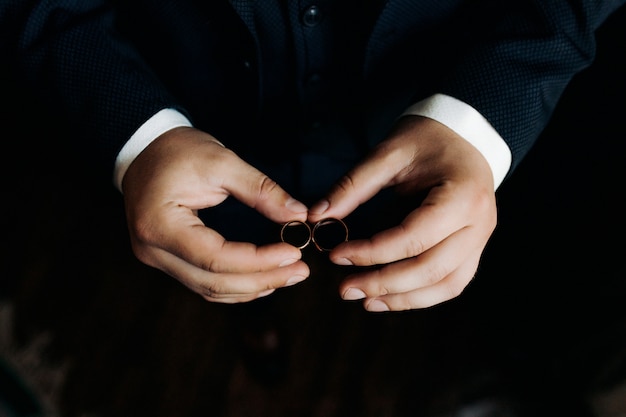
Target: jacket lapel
(245, 10)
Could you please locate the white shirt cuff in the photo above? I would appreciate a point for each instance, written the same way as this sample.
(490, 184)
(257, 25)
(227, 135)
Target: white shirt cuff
(471, 125)
(158, 124)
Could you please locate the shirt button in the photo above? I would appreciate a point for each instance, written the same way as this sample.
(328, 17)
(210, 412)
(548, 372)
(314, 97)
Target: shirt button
(312, 16)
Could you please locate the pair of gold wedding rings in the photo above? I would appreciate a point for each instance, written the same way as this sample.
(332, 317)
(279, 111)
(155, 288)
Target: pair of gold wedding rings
(325, 234)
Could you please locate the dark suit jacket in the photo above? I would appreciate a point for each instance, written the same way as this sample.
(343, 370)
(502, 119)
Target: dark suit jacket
(109, 67)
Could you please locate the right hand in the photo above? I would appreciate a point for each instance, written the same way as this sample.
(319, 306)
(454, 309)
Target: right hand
(183, 171)
(434, 252)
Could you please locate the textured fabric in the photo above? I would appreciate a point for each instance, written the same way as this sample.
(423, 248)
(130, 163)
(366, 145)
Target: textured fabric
(108, 68)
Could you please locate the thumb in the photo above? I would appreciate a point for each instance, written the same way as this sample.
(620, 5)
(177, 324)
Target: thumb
(255, 189)
(356, 187)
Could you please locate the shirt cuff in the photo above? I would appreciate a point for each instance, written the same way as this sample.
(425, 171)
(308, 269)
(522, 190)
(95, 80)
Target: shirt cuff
(471, 125)
(158, 124)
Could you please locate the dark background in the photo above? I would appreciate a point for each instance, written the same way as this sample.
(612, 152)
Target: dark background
(543, 323)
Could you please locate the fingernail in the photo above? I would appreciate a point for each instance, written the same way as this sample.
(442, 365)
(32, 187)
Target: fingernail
(287, 262)
(377, 306)
(295, 206)
(354, 294)
(320, 207)
(294, 280)
(343, 262)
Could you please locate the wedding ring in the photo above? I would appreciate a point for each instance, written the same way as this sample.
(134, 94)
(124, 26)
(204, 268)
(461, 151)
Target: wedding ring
(296, 233)
(325, 235)
(328, 233)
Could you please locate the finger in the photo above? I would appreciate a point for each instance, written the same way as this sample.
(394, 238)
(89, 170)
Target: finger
(422, 271)
(235, 287)
(255, 189)
(447, 209)
(441, 214)
(359, 185)
(178, 231)
(446, 289)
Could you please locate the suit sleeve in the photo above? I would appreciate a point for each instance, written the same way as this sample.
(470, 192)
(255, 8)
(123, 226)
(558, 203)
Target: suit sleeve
(69, 54)
(522, 57)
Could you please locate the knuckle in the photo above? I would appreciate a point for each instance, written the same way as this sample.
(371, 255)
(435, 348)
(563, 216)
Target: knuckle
(265, 188)
(382, 290)
(456, 283)
(403, 303)
(370, 258)
(434, 273)
(345, 183)
(453, 289)
(414, 246)
(485, 203)
(226, 158)
(213, 263)
(212, 291)
(380, 287)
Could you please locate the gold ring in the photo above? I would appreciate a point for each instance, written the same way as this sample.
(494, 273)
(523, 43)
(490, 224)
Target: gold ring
(290, 240)
(331, 240)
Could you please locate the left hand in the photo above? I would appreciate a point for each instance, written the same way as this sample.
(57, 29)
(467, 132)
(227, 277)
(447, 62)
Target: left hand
(433, 254)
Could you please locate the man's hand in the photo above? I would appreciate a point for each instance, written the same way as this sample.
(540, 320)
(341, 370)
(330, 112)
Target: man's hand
(432, 255)
(183, 171)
